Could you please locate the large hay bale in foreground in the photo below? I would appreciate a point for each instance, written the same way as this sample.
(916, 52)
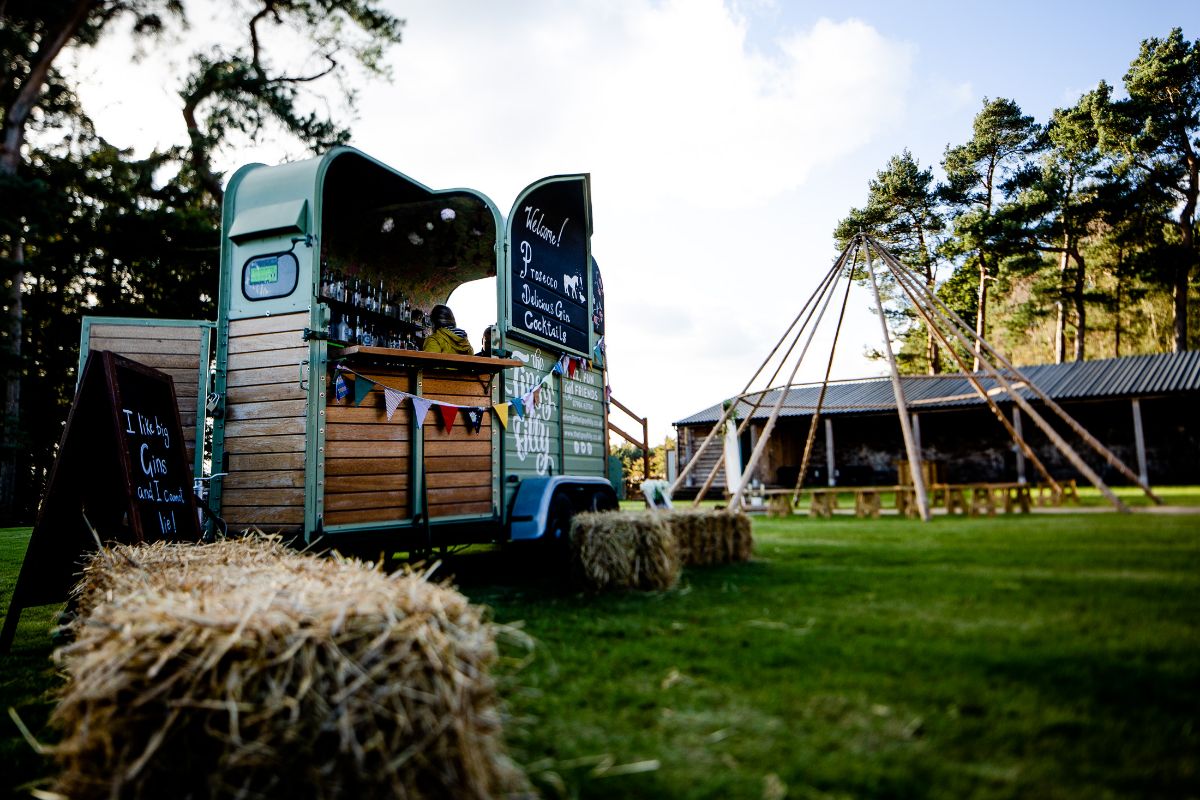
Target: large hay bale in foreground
(623, 550)
(246, 669)
(709, 537)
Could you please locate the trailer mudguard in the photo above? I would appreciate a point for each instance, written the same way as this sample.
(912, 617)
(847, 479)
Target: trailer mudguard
(531, 505)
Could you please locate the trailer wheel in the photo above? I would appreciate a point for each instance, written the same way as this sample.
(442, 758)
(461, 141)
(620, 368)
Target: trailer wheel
(604, 500)
(558, 519)
(558, 533)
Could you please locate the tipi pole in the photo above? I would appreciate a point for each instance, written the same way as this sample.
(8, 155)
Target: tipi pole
(735, 503)
(1052, 434)
(906, 282)
(822, 287)
(810, 307)
(914, 455)
(812, 424)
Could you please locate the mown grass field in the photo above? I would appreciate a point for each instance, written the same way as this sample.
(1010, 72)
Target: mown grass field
(1025, 656)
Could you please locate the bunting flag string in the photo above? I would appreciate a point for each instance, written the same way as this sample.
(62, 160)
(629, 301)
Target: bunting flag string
(420, 408)
(362, 387)
(566, 365)
(501, 410)
(448, 414)
(391, 400)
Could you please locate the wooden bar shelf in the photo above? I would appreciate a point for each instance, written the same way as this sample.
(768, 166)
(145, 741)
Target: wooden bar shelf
(423, 360)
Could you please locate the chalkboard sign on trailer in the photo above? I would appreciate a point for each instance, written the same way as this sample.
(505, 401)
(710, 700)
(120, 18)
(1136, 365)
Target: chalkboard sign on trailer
(122, 464)
(549, 229)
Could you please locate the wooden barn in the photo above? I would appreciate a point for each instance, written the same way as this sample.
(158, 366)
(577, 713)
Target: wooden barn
(1143, 408)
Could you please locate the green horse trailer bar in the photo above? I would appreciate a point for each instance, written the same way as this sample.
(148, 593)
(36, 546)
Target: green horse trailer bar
(330, 422)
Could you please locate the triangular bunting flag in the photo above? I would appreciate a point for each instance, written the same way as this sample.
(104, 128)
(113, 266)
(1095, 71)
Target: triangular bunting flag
(518, 405)
(571, 367)
(391, 400)
(501, 410)
(558, 367)
(339, 387)
(537, 396)
(448, 415)
(420, 408)
(362, 387)
(474, 419)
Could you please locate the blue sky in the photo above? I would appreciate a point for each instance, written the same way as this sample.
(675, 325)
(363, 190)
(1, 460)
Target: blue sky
(724, 140)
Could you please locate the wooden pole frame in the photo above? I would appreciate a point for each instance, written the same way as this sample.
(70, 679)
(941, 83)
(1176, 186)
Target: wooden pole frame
(899, 273)
(736, 501)
(902, 279)
(810, 307)
(822, 287)
(910, 445)
(812, 425)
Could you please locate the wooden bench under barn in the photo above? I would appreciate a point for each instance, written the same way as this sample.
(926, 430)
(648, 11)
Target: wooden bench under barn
(969, 499)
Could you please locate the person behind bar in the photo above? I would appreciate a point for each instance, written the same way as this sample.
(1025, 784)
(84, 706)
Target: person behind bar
(446, 338)
(486, 352)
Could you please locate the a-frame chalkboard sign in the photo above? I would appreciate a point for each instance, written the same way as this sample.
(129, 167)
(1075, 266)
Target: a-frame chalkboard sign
(123, 465)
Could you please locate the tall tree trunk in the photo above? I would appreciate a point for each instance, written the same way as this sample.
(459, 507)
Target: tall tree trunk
(1077, 299)
(932, 355)
(1117, 311)
(16, 117)
(1060, 307)
(981, 314)
(12, 337)
(1187, 221)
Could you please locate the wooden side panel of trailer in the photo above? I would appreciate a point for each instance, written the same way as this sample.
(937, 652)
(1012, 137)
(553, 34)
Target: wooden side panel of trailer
(176, 348)
(265, 408)
(369, 458)
(368, 466)
(458, 464)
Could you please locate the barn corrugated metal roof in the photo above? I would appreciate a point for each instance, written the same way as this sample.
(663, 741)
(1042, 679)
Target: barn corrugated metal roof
(1131, 376)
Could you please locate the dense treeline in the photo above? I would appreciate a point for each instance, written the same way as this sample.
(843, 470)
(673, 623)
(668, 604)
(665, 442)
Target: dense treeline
(89, 229)
(1064, 240)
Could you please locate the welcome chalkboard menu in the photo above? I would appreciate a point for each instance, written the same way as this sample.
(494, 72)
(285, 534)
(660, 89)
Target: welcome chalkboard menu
(122, 470)
(597, 300)
(549, 230)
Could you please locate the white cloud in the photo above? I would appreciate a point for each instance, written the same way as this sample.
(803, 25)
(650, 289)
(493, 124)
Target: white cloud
(709, 228)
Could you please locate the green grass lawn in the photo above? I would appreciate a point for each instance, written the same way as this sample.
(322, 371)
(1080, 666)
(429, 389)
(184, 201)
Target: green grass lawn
(1024, 656)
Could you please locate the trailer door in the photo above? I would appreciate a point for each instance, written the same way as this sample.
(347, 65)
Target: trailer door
(179, 347)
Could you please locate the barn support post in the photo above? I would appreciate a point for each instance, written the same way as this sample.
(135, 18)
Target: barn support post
(1139, 441)
(829, 465)
(1016, 421)
(914, 455)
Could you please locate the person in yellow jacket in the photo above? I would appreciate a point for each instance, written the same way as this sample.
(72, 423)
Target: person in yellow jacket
(446, 338)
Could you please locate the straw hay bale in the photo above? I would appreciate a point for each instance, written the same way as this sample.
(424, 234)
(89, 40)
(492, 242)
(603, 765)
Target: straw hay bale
(707, 537)
(245, 669)
(623, 550)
